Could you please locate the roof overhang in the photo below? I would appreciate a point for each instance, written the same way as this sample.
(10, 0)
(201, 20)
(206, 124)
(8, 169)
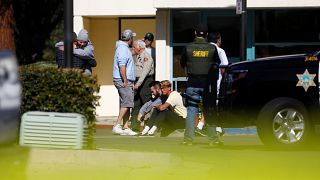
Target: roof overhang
(182, 4)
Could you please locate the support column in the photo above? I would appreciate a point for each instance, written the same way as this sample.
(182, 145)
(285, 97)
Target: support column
(163, 51)
(78, 23)
(251, 35)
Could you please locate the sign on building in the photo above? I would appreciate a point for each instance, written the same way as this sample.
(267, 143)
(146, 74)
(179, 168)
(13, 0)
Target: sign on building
(239, 7)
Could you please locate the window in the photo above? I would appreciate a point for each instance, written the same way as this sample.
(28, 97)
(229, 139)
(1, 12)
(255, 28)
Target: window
(280, 32)
(183, 22)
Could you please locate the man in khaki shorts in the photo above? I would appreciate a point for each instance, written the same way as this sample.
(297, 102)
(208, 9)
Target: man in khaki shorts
(123, 79)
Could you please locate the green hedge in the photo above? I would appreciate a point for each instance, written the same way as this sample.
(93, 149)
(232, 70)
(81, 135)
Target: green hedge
(50, 89)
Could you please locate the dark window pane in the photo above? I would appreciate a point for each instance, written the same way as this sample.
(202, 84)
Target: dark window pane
(183, 25)
(177, 69)
(229, 28)
(287, 25)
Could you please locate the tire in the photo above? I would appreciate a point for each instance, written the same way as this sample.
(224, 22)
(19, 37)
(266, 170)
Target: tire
(283, 122)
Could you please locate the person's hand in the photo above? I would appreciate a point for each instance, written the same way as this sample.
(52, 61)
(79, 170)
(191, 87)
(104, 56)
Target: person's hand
(125, 84)
(61, 48)
(139, 117)
(136, 86)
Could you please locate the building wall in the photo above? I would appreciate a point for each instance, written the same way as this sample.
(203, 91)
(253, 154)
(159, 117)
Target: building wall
(101, 19)
(114, 8)
(104, 32)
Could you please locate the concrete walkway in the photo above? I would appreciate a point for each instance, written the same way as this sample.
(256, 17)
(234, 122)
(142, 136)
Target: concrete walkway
(108, 122)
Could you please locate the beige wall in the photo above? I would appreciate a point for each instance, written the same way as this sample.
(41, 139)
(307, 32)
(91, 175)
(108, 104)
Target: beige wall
(139, 26)
(103, 32)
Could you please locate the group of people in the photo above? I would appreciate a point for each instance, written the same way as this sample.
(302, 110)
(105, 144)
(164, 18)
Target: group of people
(153, 102)
(83, 53)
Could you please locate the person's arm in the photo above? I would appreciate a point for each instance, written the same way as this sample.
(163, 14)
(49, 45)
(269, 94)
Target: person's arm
(216, 57)
(122, 59)
(163, 106)
(92, 62)
(224, 59)
(123, 74)
(144, 109)
(85, 53)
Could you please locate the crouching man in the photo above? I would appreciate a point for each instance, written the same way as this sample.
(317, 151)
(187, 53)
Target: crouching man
(170, 115)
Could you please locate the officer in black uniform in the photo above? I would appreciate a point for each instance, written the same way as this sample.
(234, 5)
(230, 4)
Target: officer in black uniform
(201, 59)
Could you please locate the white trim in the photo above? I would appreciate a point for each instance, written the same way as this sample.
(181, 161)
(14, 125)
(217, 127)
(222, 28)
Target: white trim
(77, 23)
(114, 8)
(232, 3)
(109, 101)
(163, 69)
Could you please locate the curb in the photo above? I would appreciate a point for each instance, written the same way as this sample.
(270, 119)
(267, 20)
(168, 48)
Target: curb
(108, 122)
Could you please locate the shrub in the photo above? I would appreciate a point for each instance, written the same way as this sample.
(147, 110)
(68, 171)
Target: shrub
(46, 88)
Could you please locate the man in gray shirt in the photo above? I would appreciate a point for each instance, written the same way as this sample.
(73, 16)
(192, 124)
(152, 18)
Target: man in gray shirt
(147, 109)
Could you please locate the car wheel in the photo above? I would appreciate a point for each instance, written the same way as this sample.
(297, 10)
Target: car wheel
(284, 122)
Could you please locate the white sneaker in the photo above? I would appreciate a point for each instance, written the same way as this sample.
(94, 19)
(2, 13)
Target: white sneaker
(152, 130)
(219, 129)
(129, 132)
(117, 129)
(145, 130)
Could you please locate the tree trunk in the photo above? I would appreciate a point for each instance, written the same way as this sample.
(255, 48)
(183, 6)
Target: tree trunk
(6, 25)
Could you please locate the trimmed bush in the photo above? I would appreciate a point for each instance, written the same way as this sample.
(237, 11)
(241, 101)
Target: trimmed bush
(49, 89)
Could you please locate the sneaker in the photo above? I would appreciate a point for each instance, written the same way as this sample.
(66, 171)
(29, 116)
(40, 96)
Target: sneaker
(129, 132)
(220, 133)
(145, 130)
(152, 130)
(117, 129)
(200, 132)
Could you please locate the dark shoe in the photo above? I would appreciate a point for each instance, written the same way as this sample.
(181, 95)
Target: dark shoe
(187, 143)
(200, 132)
(216, 143)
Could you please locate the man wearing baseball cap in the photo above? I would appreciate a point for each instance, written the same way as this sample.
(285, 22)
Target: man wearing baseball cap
(123, 79)
(148, 39)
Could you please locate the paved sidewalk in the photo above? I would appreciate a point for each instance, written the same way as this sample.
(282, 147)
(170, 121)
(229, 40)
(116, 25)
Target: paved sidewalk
(108, 121)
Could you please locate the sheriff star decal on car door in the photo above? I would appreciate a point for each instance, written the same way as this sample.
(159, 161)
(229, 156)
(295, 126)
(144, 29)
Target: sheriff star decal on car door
(306, 80)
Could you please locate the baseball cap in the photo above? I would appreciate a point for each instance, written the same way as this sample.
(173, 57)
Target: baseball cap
(201, 29)
(127, 34)
(149, 36)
